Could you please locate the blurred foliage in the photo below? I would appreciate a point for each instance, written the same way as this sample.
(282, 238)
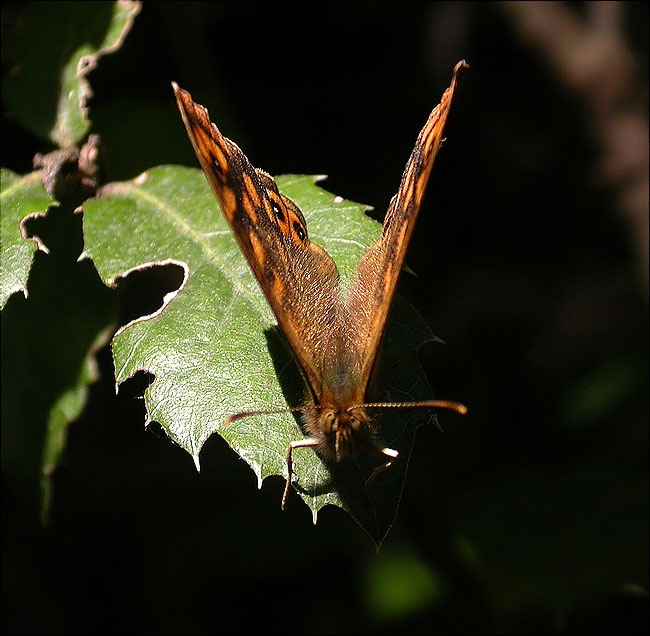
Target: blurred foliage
(528, 515)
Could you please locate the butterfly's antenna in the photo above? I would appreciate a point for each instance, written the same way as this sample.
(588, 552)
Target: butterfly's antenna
(238, 416)
(425, 404)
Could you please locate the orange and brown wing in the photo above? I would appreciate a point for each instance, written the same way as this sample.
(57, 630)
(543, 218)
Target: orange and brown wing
(379, 268)
(299, 279)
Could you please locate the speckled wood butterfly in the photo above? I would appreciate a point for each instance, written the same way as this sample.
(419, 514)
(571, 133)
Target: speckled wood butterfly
(334, 334)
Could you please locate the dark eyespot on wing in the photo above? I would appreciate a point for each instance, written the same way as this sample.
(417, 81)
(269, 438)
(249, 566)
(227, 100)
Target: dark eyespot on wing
(296, 221)
(279, 214)
(300, 231)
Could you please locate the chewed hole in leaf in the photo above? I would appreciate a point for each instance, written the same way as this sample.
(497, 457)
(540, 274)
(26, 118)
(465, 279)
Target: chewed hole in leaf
(143, 292)
(134, 387)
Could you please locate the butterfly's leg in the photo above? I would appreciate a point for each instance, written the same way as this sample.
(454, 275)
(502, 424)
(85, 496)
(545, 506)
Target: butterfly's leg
(301, 443)
(392, 454)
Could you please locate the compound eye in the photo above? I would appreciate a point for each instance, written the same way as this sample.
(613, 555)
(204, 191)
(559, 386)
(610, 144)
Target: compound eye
(328, 421)
(355, 424)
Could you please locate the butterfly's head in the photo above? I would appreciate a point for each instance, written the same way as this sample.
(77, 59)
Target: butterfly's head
(340, 432)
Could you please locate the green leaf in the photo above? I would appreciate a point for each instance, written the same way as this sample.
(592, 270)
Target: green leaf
(53, 48)
(21, 197)
(214, 349)
(67, 409)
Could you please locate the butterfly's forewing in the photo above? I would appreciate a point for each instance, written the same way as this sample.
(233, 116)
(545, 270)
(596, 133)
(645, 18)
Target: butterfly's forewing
(376, 277)
(298, 277)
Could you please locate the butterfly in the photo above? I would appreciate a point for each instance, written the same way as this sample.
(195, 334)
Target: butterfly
(334, 334)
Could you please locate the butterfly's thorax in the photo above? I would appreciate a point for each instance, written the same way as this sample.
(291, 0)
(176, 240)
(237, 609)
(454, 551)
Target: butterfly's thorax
(341, 430)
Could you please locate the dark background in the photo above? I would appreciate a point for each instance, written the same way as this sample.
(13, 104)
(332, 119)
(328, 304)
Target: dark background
(529, 514)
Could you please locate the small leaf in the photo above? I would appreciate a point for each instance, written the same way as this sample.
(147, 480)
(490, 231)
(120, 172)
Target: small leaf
(214, 349)
(53, 48)
(21, 197)
(67, 409)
